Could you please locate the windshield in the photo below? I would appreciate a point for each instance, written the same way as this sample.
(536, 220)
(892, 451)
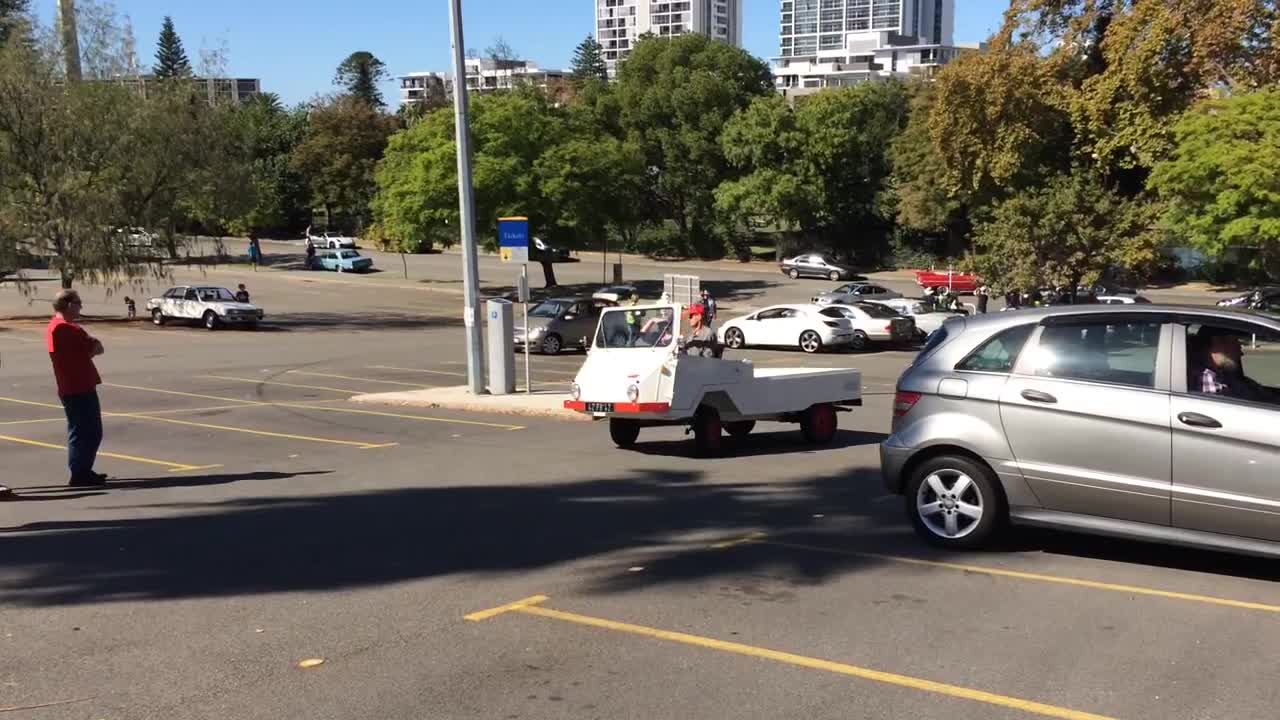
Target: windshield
(548, 309)
(216, 295)
(647, 328)
(877, 311)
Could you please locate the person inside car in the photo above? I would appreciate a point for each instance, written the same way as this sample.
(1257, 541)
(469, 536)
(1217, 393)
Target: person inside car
(1221, 369)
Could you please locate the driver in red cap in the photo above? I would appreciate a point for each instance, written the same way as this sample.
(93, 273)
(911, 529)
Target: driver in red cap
(700, 341)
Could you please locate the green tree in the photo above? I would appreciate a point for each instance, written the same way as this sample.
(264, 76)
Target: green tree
(588, 61)
(1221, 181)
(675, 95)
(923, 202)
(281, 197)
(359, 74)
(13, 18)
(1070, 230)
(171, 58)
(344, 140)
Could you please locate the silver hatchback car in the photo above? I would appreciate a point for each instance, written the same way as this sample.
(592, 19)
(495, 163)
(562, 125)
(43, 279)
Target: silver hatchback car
(1150, 422)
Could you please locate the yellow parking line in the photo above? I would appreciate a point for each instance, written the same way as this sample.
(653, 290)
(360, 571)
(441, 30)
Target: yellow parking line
(173, 466)
(1016, 574)
(185, 394)
(256, 381)
(416, 370)
(420, 386)
(263, 433)
(32, 421)
(531, 606)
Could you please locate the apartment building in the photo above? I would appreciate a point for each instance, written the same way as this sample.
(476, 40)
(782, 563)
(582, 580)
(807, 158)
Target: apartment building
(619, 23)
(418, 87)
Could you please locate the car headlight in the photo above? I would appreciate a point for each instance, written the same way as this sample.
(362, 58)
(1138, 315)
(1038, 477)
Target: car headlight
(633, 393)
(534, 332)
(575, 391)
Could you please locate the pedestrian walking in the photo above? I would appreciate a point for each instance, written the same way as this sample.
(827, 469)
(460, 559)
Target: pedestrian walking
(255, 250)
(708, 308)
(72, 351)
(130, 307)
(984, 296)
(311, 254)
(242, 294)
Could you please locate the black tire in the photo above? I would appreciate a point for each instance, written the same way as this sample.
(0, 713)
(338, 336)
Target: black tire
(551, 344)
(741, 428)
(623, 432)
(983, 488)
(157, 317)
(860, 341)
(251, 326)
(794, 273)
(833, 276)
(810, 341)
(707, 431)
(210, 320)
(819, 423)
(734, 339)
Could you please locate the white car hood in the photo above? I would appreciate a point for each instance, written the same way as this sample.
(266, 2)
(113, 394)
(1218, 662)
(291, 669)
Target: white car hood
(225, 306)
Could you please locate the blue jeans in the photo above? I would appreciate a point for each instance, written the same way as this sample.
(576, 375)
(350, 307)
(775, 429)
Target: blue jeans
(84, 431)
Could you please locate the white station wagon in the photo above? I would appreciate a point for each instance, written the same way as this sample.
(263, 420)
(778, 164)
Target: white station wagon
(210, 305)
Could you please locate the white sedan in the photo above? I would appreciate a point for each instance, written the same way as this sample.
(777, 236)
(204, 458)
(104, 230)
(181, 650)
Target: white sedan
(332, 241)
(926, 320)
(210, 305)
(873, 323)
(802, 326)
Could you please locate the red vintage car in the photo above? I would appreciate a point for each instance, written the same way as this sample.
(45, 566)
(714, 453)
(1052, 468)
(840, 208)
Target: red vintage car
(957, 282)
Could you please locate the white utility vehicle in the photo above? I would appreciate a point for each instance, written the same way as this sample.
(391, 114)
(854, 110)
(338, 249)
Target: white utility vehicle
(637, 374)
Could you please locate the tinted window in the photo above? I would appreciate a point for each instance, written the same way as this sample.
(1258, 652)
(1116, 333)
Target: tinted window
(191, 295)
(1000, 353)
(934, 341)
(1121, 353)
(771, 314)
(547, 309)
(877, 311)
(838, 312)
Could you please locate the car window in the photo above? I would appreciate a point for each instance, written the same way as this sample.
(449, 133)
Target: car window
(173, 293)
(838, 311)
(547, 309)
(790, 313)
(191, 295)
(773, 314)
(1232, 364)
(1121, 352)
(1000, 353)
(872, 290)
(877, 311)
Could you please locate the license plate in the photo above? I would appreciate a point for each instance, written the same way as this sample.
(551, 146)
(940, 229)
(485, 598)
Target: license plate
(599, 407)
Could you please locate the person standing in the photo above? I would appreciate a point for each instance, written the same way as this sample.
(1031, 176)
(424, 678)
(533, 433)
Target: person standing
(311, 254)
(984, 296)
(72, 351)
(708, 307)
(242, 294)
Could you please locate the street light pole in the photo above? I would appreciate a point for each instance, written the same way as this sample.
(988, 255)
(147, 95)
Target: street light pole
(466, 209)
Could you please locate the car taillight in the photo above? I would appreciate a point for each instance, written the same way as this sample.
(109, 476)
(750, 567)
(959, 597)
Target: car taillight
(903, 401)
(888, 328)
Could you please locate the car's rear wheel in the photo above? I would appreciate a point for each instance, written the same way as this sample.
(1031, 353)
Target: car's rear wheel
(740, 428)
(551, 344)
(794, 273)
(157, 317)
(860, 341)
(810, 341)
(954, 502)
(833, 276)
(818, 424)
(707, 431)
(733, 338)
(210, 320)
(623, 432)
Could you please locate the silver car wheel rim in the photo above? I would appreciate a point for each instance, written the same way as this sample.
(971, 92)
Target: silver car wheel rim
(809, 342)
(733, 338)
(950, 504)
(551, 346)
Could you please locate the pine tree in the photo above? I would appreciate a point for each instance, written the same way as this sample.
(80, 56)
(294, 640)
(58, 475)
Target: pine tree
(171, 59)
(588, 61)
(360, 74)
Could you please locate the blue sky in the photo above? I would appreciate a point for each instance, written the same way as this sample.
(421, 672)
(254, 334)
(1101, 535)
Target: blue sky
(294, 46)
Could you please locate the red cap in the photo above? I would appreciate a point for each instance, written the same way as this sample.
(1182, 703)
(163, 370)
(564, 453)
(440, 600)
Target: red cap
(695, 309)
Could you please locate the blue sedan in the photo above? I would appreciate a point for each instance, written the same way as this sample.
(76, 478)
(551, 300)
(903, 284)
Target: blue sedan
(344, 261)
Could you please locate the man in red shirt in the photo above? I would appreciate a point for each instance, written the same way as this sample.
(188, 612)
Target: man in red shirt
(72, 351)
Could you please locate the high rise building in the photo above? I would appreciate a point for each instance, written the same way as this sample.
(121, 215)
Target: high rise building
(826, 43)
(619, 23)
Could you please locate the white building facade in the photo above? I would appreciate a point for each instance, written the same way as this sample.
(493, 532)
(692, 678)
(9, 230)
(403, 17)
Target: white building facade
(418, 87)
(831, 43)
(619, 23)
(483, 75)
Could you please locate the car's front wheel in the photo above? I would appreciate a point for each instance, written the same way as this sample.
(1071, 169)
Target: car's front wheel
(157, 317)
(210, 320)
(733, 338)
(833, 276)
(551, 344)
(623, 432)
(859, 341)
(954, 502)
(794, 273)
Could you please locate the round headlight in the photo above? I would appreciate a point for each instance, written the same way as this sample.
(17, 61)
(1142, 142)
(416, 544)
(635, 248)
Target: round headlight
(575, 391)
(633, 393)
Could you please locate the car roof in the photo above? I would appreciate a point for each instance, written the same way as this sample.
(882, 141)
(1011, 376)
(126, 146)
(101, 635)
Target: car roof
(1001, 320)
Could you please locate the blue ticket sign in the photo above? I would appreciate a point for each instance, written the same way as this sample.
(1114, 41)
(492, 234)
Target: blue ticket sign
(513, 239)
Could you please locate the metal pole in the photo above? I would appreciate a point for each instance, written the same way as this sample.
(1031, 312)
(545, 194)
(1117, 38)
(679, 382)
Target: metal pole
(466, 208)
(528, 378)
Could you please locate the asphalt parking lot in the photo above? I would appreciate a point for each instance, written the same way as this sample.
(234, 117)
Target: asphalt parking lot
(448, 564)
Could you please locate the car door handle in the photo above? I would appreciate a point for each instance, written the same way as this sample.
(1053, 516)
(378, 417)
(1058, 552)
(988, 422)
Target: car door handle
(1038, 396)
(1198, 420)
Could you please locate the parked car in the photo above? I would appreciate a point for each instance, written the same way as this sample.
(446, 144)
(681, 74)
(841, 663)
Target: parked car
(332, 240)
(802, 326)
(1097, 419)
(957, 282)
(615, 293)
(558, 323)
(854, 292)
(1122, 300)
(1252, 297)
(927, 319)
(212, 306)
(136, 238)
(344, 261)
(542, 248)
(873, 323)
(817, 265)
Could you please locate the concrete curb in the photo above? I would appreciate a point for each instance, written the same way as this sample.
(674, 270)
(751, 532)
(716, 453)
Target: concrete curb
(539, 404)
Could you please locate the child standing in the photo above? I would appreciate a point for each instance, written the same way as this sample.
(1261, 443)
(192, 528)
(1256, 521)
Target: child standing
(131, 307)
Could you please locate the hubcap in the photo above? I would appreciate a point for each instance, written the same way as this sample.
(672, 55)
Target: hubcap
(809, 342)
(734, 338)
(950, 504)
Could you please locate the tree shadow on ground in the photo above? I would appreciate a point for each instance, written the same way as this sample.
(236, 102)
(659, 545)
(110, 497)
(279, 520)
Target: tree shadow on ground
(382, 320)
(783, 442)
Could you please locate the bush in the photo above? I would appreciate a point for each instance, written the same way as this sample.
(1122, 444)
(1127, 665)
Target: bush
(661, 241)
(375, 234)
